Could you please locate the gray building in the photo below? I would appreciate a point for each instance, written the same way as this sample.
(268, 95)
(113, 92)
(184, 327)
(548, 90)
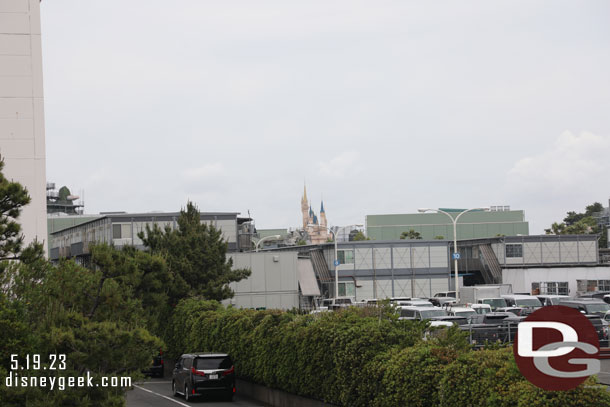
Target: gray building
(294, 277)
(545, 264)
(121, 229)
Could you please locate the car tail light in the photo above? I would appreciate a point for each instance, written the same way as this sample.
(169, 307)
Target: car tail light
(227, 372)
(233, 389)
(197, 372)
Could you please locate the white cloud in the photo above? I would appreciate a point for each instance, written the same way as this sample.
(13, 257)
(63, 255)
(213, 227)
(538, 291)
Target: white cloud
(206, 171)
(574, 163)
(571, 174)
(340, 165)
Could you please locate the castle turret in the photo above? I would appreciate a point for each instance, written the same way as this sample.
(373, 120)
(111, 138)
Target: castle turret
(322, 215)
(305, 207)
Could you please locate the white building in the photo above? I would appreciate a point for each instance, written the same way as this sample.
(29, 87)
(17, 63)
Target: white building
(22, 141)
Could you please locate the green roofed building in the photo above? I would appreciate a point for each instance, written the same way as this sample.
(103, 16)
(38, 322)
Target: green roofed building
(500, 221)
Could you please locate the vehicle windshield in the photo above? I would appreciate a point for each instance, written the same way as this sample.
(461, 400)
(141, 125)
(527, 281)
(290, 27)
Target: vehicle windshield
(433, 313)
(528, 302)
(343, 301)
(213, 363)
(482, 310)
(406, 313)
(553, 301)
(495, 302)
(597, 308)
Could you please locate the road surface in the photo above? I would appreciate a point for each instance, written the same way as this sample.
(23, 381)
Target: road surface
(158, 393)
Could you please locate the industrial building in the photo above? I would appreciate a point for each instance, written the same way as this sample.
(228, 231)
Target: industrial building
(22, 138)
(295, 277)
(499, 221)
(121, 229)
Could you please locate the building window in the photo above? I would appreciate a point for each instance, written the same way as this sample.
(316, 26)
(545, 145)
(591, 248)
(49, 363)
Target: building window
(592, 285)
(603, 285)
(116, 231)
(347, 290)
(550, 288)
(514, 250)
(345, 256)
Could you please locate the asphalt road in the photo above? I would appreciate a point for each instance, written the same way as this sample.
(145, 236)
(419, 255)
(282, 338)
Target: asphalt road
(158, 393)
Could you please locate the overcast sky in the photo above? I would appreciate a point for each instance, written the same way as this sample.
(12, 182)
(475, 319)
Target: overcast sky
(379, 106)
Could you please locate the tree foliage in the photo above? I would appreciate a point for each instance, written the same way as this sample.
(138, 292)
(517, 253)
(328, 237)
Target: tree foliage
(13, 197)
(358, 236)
(581, 223)
(411, 234)
(96, 317)
(196, 256)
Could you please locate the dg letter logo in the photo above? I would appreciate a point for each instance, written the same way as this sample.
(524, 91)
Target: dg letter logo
(557, 348)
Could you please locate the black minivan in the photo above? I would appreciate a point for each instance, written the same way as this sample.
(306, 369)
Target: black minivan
(199, 373)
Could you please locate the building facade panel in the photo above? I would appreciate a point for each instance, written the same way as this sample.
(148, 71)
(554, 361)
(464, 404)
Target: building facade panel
(439, 256)
(421, 256)
(522, 279)
(21, 129)
(532, 253)
(382, 258)
(402, 257)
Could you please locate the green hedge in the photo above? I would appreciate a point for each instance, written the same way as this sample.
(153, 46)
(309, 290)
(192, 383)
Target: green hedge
(362, 357)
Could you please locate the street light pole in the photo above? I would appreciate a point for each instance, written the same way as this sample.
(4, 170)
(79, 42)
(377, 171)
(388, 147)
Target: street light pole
(455, 249)
(336, 264)
(272, 237)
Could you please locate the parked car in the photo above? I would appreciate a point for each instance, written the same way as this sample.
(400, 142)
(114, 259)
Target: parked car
(415, 303)
(465, 312)
(156, 367)
(601, 327)
(524, 301)
(440, 301)
(587, 305)
(445, 294)
(513, 310)
(481, 308)
(196, 374)
(494, 303)
(337, 303)
(600, 295)
(547, 300)
(420, 313)
(455, 320)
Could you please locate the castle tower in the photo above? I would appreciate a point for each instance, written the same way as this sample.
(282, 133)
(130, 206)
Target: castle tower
(305, 208)
(322, 215)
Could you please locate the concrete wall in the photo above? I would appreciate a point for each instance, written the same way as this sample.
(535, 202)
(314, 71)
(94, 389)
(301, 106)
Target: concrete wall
(273, 283)
(22, 141)
(521, 279)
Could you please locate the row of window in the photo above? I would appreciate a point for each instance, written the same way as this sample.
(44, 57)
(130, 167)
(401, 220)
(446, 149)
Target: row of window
(592, 285)
(550, 288)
